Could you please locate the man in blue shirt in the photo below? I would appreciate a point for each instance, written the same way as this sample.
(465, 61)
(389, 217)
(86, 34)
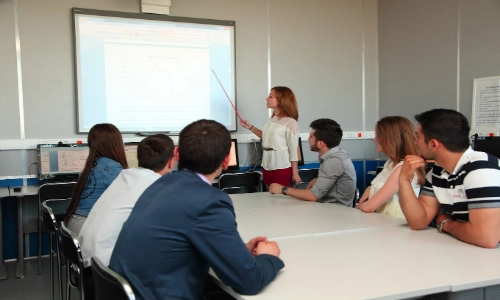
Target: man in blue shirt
(181, 226)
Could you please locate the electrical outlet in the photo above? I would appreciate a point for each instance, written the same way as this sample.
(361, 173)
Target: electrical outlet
(252, 138)
(485, 133)
(352, 135)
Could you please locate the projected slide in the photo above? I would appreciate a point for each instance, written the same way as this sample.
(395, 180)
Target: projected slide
(148, 84)
(152, 73)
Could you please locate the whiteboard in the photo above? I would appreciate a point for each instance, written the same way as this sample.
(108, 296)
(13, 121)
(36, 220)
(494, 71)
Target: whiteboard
(151, 73)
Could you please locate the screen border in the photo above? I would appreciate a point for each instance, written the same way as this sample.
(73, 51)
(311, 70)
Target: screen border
(153, 17)
(43, 176)
(300, 160)
(237, 167)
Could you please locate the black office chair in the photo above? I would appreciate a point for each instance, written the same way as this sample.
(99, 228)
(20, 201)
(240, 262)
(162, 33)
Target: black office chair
(108, 284)
(239, 183)
(74, 261)
(51, 223)
(48, 191)
(356, 198)
(306, 175)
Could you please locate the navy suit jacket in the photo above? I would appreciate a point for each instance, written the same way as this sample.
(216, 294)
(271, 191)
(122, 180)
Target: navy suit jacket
(179, 227)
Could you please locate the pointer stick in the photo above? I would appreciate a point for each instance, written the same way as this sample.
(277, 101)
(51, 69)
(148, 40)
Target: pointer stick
(227, 96)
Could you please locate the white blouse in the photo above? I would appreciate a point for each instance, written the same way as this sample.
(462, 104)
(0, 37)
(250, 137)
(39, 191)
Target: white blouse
(282, 136)
(391, 207)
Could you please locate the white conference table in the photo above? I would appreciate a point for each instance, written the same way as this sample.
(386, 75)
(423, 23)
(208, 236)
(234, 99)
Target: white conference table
(5, 192)
(280, 216)
(381, 262)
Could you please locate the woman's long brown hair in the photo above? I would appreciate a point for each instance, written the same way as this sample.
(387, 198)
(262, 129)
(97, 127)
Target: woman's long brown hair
(396, 135)
(286, 102)
(104, 140)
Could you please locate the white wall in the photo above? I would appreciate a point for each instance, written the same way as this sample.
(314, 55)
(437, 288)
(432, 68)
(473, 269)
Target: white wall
(431, 51)
(325, 50)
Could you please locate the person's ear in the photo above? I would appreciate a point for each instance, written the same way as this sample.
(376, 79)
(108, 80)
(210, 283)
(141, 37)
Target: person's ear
(171, 163)
(168, 168)
(176, 153)
(225, 162)
(434, 145)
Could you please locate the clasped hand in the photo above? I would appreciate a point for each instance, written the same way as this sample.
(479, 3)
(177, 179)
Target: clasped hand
(260, 245)
(275, 188)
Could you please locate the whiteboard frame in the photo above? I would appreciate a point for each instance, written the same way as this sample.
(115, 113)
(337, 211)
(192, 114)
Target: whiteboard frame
(152, 17)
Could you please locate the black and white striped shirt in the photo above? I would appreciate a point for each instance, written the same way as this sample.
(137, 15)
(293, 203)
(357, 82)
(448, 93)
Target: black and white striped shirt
(475, 183)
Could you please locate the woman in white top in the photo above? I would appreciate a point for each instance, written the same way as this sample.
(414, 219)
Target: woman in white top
(395, 136)
(280, 138)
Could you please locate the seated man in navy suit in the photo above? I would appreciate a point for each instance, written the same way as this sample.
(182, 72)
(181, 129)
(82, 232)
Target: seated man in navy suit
(181, 226)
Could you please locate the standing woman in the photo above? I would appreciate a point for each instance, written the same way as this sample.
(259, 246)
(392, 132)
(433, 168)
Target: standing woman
(395, 137)
(280, 138)
(105, 161)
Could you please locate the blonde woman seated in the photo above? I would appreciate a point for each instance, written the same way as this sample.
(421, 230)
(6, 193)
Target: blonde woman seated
(395, 137)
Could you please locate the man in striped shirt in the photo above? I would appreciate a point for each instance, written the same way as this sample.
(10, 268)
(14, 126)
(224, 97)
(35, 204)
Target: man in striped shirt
(462, 189)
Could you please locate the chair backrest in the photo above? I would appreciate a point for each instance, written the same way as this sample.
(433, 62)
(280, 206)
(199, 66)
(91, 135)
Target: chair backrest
(108, 284)
(241, 190)
(306, 175)
(48, 217)
(57, 209)
(62, 190)
(356, 198)
(70, 246)
(238, 180)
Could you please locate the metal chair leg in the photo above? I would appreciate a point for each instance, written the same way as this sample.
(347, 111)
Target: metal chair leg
(82, 286)
(59, 270)
(39, 240)
(68, 294)
(51, 268)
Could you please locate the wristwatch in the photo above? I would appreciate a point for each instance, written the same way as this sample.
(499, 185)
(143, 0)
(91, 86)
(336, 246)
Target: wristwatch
(284, 190)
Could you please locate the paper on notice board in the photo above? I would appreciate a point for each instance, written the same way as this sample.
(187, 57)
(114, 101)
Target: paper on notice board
(486, 103)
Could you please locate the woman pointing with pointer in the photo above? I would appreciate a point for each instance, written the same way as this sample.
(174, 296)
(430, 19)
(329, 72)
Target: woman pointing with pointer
(280, 138)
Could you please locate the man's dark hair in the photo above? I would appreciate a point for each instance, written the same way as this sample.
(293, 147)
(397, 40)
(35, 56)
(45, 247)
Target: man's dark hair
(328, 131)
(203, 145)
(448, 126)
(155, 151)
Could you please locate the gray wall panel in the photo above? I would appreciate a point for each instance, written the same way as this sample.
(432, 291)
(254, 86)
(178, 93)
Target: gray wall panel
(371, 64)
(251, 49)
(417, 56)
(316, 51)
(9, 100)
(48, 66)
(16, 164)
(364, 149)
(479, 46)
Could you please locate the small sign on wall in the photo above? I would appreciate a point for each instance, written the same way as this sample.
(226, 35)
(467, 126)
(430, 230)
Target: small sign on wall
(486, 104)
(160, 7)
